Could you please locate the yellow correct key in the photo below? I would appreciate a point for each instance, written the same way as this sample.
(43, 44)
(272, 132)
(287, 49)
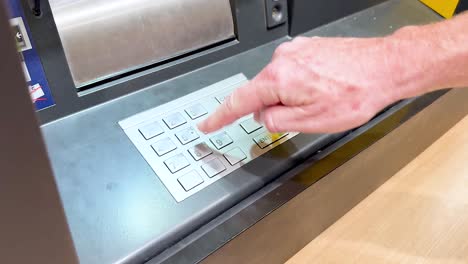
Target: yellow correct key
(276, 136)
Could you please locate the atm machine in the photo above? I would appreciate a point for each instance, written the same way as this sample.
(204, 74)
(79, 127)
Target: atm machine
(119, 87)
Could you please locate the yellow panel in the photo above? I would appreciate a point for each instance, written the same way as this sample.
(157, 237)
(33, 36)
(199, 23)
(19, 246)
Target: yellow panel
(445, 8)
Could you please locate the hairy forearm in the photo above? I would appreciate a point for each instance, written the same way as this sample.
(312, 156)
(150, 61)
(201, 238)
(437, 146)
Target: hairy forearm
(328, 85)
(430, 57)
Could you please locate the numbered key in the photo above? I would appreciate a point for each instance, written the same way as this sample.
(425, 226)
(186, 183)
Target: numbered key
(195, 111)
(235, 156)
(221, 140)
(174, 120)
(250, 126)
(200, 151)
(151, 130)
(221, 98)
(177, 163)
(187, 135)
(190, 180)
(163, 146)
(266, 139)
(213, 167)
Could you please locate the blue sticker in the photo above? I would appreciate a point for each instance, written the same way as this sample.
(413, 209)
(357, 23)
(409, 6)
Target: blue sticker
(31, 63)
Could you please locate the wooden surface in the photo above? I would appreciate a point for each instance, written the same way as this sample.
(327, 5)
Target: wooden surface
(287, 230)
(419, 216)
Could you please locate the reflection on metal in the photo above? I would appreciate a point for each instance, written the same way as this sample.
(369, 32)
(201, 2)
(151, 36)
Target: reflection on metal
(102, 38)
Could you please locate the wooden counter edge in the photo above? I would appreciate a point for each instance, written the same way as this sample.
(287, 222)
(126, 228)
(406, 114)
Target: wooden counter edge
(276, 238)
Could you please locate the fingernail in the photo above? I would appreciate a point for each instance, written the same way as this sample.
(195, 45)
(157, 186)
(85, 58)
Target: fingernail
(261, 118)
(201, 127)
(257, 119)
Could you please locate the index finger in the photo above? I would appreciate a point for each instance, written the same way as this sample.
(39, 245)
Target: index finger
(252, 97)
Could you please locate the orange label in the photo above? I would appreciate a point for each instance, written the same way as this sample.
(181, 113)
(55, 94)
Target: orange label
(445, 8)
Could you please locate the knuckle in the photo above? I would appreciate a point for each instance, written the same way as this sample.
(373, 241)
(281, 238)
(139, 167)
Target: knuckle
(315, 38)
(282, 50)
(231, 105)
(300, 39)
(281, 75)
(270, 123)
(280, 78)
(271, 128)
(271, 73)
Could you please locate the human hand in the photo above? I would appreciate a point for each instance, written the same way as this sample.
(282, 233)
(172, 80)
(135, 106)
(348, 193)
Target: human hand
(316, 85)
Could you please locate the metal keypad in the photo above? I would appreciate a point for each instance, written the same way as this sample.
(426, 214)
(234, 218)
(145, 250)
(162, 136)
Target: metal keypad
(185, 159)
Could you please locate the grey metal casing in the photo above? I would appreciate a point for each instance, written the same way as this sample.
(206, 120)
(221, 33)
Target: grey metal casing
(102, 40)
(33, 227)
(306, 14)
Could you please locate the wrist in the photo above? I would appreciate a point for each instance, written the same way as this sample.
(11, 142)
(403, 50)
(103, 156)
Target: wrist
(427, 58)
(409, 63)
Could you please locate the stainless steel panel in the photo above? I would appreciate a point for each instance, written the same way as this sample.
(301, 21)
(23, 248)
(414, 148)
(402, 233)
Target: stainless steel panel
(104, 38)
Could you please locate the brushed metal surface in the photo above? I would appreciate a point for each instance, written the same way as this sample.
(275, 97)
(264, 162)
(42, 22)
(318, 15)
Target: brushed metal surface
(102, 39)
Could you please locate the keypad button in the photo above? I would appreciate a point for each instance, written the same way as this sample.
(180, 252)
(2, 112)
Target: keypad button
(235, 156)
(250, 126)
(177, 163)
(195, 111)
(190, 180)
(200, 151)
(163, 146)
(151, 130)
(221, 98)
(213, 167)
(174, 120)
(187, 135)
(266, 139)
(221, 140)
